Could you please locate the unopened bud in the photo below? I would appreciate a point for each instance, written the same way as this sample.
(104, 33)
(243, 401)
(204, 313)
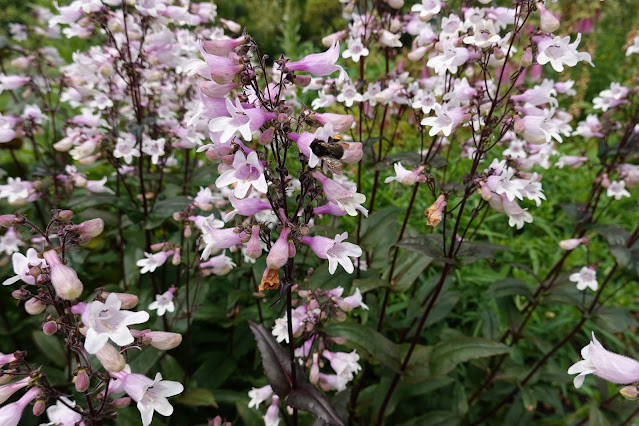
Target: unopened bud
(547, 21)
(20, 294)
(34, 306)
(164, 340)
(91, 228)
(65, 215)
(65, 280)
(10, 220)
(82, 380)
(630, 392)
(302, 80)
(39, 407)
(187, 231)
(111, 359)
(122, 402)
(266, 137)
(50, 328)
(176, 258)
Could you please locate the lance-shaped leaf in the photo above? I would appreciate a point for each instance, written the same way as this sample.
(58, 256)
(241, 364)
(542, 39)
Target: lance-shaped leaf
(308, 398)
(275, 360)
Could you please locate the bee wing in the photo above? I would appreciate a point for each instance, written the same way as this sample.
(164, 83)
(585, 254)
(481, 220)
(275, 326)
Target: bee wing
(333, 165)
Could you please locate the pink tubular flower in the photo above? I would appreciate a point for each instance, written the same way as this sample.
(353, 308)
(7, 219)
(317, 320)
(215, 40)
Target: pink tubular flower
(150, 395)
(272, 416)
(334, 250)
(216, 239)
(340, 122)
(64, 279)
(164, 302)
(350, 201)
(7, 390)
(6, 359)
(245, 207)
(214, 90)
(237, 121)
(586, 277)
(404, 176)
(344, 363)
(559, 51)
(259, 395)
(608, 365)
(153, 261)
(572, 243)
(222, 47)
(254, 246)
(320, 63)
(329, 208)
(106, 321)
(246, 172)
(279, 253)
(11, 414)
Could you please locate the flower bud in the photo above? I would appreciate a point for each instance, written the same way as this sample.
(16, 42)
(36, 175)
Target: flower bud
(302, 80)
(10, 220)
(50, 328)
(548, 22)
(630, 392)
(175, 260)
(187, 231)
(254, 246)
(111, 359)
(91, 228)
(34, 306)
(39, 407)
(20, 294)
(128, 301)
(65, 215)
(122, 402)
(81, 380)
(231, 25)
(65, 280)
(572, 243)
(164, 340)
(279, 254)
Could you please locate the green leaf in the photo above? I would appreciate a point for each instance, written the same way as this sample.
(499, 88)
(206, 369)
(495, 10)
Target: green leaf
(427, 245)
(472, 252)
(614, 319)
(418, 368)
(164, 209)
(145, 360)
(509, 287)
(448, 354)
(434, 418)
(596, 417)
(51, 347)
(197, 397)
(368, 284)
(171, 368)
(367, 342)
(622, 254)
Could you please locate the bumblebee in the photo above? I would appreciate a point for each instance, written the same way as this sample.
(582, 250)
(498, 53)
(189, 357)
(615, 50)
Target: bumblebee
(330, 153)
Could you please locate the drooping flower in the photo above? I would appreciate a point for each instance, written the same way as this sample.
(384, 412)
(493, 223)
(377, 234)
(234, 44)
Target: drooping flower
(259, 395)
(560, 51)
(246, 172)
(602, 363)
(61, 415)
(11, 414)
(343, 363)
(336, 251)
(320, 63)
(238, 121)
(617, 189)
(586, 277)
(164, 302)
(350, 201)
(153, 261)
(404, 176)
(106, 321)
(150, 395)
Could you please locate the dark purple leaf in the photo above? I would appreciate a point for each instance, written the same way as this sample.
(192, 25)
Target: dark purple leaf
(308, 398)
(275, 360)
